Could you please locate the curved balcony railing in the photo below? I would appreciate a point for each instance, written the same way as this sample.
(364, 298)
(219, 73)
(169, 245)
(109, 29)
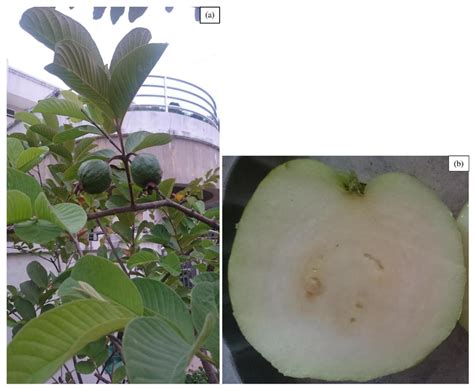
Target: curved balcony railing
(178, 96)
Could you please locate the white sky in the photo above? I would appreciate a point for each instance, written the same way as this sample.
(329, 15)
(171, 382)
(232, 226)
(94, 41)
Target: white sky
(191, 54)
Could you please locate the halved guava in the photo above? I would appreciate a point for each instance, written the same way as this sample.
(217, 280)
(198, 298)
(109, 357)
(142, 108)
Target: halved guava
(337, 280)
(463, 224)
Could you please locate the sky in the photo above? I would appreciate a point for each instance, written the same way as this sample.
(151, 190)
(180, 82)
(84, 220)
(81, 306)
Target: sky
(192, 53)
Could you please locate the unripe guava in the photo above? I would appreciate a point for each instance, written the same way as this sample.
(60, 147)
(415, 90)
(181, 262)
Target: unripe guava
(146, 169)
(94, 176)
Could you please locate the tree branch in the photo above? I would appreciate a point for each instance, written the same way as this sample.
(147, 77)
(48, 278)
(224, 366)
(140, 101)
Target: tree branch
(154, 205)
(107, 237)
(101, 130)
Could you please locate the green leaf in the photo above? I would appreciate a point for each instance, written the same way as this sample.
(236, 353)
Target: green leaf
(171, 263)
(19, 136)
(142, 257)
(206, 277)
(30, 158)
(76, 68)
(166, 187)
(129, 74)
(60, 107)
(163, 300)
(108, 280)
(51, 120)
(199, 206)
(17, 180)
(32, 138)
(204, 301)
(18, 207)
(159, 235)
(44, 130)
(51, 27)
(14, 149)
(82, 148)
(135, 38)
(39, 231)
(140, 140)
(85, 367)
(27, 117)
(74, 133)
(70, 290)
(123, 230)
(71, 215)
(118, 375)
(38, 274)
(60, 150)
(68, 216)
(24, 308)
(44, 344)
(31, 291)
(154, 352)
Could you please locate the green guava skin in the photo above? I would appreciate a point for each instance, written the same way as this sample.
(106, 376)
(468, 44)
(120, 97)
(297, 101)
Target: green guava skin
(463, 224)
(94, 176)
(146, 169)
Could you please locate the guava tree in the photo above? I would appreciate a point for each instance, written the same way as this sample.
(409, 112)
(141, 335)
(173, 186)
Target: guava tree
(145, 303)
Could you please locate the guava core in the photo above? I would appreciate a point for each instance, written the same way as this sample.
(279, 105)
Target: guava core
(146, 169)
(338, 281)
(94, 176)
(463, 224)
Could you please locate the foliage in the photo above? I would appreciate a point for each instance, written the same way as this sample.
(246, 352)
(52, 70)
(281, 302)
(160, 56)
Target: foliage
(148, 294)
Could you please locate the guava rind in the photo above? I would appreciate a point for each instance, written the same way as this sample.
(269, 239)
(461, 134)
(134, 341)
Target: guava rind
(146, 169)
(301, 210)
(95, 176)
(463, 224)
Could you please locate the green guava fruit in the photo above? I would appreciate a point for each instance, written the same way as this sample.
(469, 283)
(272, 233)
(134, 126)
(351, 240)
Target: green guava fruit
(94, 176)
(333, 279)
(146, 169)
(463, 224)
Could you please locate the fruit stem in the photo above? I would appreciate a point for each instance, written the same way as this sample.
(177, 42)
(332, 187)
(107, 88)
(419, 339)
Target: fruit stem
(352, 184)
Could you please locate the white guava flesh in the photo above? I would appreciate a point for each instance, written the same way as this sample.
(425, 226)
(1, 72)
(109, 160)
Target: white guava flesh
(329, 284)
(463, 224)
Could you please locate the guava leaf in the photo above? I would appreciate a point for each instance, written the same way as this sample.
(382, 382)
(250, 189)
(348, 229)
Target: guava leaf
(61, 150)
(143, 139)
(76, 68)
(163, 300)
(71, 215)
(37, 274)
(39, 231)
(204, 301)
(25, 308)
(206, 277)
(171, 263)
(60, 107)
(45, 343)
(68, 216)
(30, 157)
(142, 257)
(27, 117)
(18, 207)
(135, 38)
(129, 73)
(44, 130)
(51, 27)
(166, 187)
(17, 180)
(31, 291)
(108, 280)
(14, 149)
(155, 353)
